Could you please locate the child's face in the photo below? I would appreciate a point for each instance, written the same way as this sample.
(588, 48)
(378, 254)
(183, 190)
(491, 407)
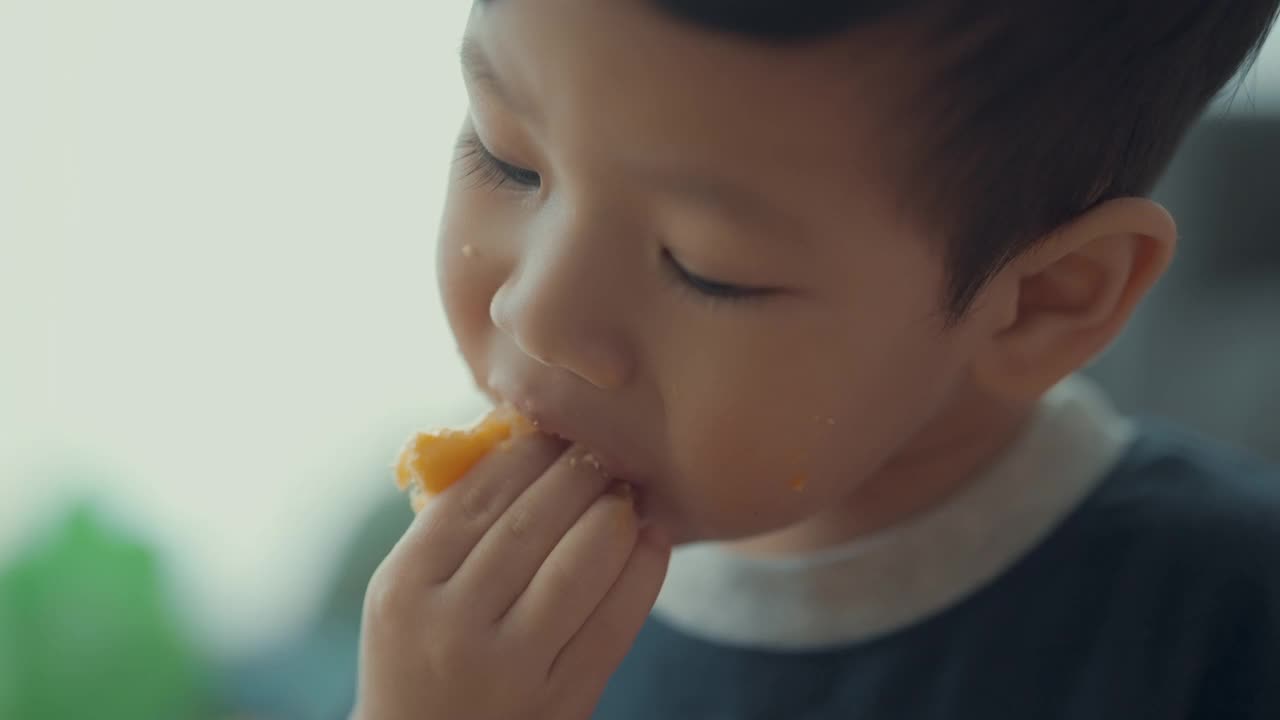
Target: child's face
(694, 266)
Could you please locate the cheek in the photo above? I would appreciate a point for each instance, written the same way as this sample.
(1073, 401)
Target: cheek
(469, 270)
(767, 442)
(747, 473)
(747, 430)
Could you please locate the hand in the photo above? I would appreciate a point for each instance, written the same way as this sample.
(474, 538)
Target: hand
(514, 594)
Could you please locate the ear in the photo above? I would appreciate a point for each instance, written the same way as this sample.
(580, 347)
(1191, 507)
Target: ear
(1057, 306)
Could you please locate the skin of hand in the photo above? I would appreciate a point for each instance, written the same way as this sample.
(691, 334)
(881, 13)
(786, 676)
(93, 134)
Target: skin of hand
(514, 594)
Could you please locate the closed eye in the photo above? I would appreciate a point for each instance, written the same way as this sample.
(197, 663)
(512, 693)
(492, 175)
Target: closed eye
(485, 168)
(709, 288)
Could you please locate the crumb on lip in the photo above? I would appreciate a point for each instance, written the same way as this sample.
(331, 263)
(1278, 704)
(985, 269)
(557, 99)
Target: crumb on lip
(590, 460)
(468, 251)
(798, 483)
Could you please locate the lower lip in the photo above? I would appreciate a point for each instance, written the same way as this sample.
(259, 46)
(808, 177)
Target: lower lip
(606, 462)
(640, 496)
(608, 466)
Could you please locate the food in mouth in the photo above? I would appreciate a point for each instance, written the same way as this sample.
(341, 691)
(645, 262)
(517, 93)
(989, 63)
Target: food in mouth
(432, 461)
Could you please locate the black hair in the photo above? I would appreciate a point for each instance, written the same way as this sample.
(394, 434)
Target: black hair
(1036, 110)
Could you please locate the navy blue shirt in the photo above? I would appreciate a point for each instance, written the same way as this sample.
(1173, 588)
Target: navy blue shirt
(1158, 597)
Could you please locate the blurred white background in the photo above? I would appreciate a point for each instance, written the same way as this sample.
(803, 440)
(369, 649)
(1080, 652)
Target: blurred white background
(217, 300)
(217, 290)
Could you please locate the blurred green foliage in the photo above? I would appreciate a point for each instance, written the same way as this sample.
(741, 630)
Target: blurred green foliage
(89, 630)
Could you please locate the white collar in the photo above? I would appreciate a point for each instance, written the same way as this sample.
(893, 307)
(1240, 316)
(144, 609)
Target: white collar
(890, 580)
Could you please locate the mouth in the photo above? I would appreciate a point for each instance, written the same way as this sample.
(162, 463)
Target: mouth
(598, 457)
(564, 426)
(601, 460)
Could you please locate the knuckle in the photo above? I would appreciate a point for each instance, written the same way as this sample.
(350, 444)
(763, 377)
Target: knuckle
(478, 502)
(518, 522)
(387, 600)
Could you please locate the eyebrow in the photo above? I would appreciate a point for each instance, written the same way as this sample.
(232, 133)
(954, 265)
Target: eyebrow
(478, 71)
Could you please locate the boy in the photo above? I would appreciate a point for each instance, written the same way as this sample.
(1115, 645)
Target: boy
(801, 286)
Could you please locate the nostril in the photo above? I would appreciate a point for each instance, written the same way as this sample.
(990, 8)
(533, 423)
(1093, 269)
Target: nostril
(528, 350)
(556, 337)
(495, 311)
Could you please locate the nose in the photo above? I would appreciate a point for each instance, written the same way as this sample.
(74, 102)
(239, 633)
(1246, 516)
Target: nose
(559, 308)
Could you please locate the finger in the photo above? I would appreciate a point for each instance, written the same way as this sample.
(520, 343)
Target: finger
(506, 559)
(448, 528)
(598, 648)
(576, 576)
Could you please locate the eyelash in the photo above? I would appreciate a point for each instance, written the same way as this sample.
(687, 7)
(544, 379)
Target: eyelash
(485, 169)
(711, 290)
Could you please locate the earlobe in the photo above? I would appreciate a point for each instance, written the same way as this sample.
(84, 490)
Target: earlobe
(1071, 296)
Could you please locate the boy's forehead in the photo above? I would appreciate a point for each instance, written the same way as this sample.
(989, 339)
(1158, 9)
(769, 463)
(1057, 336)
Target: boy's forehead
(620, 78)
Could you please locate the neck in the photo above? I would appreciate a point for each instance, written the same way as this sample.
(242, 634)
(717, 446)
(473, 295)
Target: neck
(946, 456)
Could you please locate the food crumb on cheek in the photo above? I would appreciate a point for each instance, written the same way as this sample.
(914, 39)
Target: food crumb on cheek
(468, 251)
(798, 483)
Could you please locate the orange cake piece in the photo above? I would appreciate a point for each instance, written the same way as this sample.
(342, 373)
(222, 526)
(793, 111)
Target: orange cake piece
(432, 461)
